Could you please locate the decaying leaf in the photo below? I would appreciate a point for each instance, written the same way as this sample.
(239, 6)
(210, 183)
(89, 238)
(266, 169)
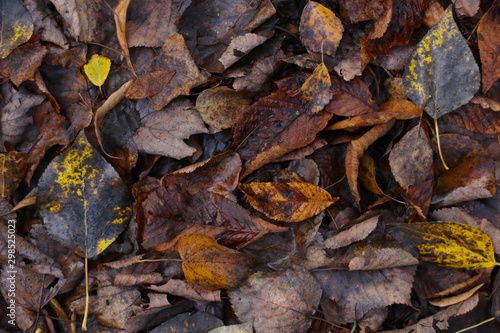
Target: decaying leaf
(442, 68)
(208, 266)
(289, 202)
(316, 91)
(16, 26)
(12, 170)
(356, 233)
(320, 29)
(277, 301)
(411, 157)
(220, 107)
(488, 35)
(149, 84)
(82, 200)
(451, 244)
(367, 175)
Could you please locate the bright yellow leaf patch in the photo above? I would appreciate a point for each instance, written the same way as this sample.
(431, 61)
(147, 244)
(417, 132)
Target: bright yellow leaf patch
(97, 69)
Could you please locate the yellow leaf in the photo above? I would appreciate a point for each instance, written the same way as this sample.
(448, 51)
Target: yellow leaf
(97, 69)
(452, 245)
(288, 202)
(208, 266)
(315, 92)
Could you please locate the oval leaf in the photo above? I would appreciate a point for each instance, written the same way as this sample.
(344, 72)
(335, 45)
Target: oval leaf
(83, 202)
(288, 202)
(208, 266)
(443, 68)
(97, 69)
(452, 245)
(315, 92)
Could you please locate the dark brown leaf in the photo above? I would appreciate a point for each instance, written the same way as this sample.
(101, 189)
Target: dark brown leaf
(22, 63)
(12, 170)
(488, 35)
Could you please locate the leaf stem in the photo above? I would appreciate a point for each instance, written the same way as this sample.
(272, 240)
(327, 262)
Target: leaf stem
(477, 325)
(84, 323)
(439, 144)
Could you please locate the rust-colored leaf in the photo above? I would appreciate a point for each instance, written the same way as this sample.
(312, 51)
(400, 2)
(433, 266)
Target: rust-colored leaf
(356, 150)
(23, 62)
(476, 118)
(149, 84)
(488, 35)
(200, 202)
(320, 29)
(276, 125)
(208, 266)
(351, 98)
(289, 202)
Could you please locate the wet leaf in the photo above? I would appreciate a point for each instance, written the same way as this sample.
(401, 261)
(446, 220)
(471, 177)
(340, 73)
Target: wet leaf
(320, 29)
(208, 266)
(275, 125)
(149, 84)
(488, 35)
(200, 202)
(350, 98)
(12, 170)
(411, 157)
(476, 118)
(23, 62)
(442, 68)
(16, 26)
(97, 69)
(220, 107)
(451, 244)
(75, 201)
(316, 90)
(277, 301)
(289, 202)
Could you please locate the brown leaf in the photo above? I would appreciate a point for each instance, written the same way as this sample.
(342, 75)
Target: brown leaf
(356, 150)
(162, 132)
(361, 10)
(411, 158)
(320, 29)
(356, 233)
(476, 118)
(466, 7)
(350, 98)
(488, 35)
(220, 107)
(383, 258)
(474, 178)
(367, 176)
(120, 15)
(433, 13)
(22, 63)
(289, 202)
(316, 91)
(12, 170)
(174, 55)
(200, 202)
(149, 84)
(181, 288)
(42, 19)
(356, 292)
(277, 301)
(208, 266)
(397, 109)
(276, 125)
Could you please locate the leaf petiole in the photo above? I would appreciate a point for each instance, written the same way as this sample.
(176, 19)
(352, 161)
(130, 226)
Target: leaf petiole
(439, 144)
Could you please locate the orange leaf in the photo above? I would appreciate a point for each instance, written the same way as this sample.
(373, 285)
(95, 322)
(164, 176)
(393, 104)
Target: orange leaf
(316, 91)
(209, 266)
(289, 202)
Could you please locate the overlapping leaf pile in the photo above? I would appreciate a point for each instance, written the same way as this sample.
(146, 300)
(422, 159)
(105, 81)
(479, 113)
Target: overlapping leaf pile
(289, 166)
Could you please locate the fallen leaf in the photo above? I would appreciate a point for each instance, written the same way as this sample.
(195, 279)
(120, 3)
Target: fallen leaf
(466, 8)
(220, 107)
(316, 90)
(433, 14)
(97, 69)
(452, 245)
(23, 62)
(356, 150)
(448, 75)
(277, 301)
(200, 202)
(200, 321)
(16, 26)
(162, 132)
(42, 19)
(182, 288)
(357, 292)
(289, 202)
(367, 176)
(175, 55)
(476, 118)
(382, 259)
(208, 266)
(444, 302)
(74, 201)
(355, 233)
(12, 170)
(411, 158)
(149, 84)
(320, 29)
(120, 15)
(488, 36)
(472, 179)
(350, 98)
(279, 122)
